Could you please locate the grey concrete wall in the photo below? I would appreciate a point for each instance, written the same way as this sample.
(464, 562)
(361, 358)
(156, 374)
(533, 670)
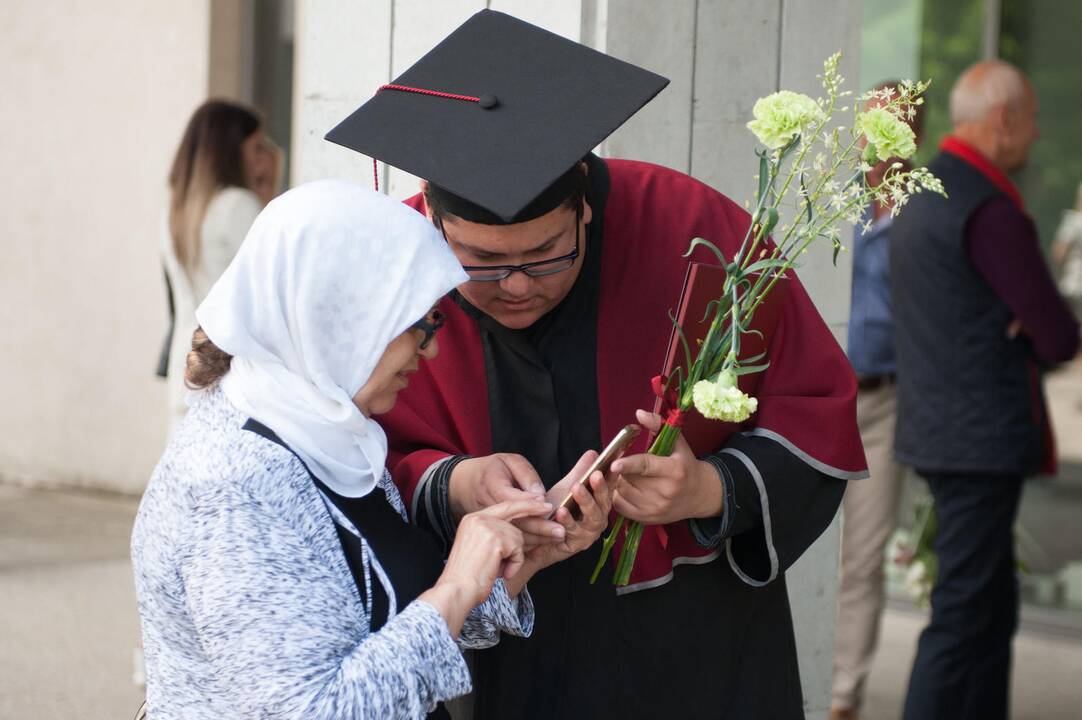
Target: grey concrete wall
(95, 97)
(721, 55)
(346, 49)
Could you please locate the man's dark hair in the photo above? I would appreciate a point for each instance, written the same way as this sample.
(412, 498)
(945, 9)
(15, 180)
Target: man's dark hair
(567, 191)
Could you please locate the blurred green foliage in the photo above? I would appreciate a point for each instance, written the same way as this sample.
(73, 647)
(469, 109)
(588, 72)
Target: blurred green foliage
(1042, 37)
(950, 42)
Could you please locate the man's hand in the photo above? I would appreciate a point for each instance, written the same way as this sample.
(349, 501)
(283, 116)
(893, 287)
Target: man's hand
(578, 535)
(480, 482)
(659, 490)
(594, 504)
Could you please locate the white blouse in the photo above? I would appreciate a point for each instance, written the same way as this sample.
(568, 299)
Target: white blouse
(229, 216)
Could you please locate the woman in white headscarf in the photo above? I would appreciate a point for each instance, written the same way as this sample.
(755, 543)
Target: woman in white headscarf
(275, 572)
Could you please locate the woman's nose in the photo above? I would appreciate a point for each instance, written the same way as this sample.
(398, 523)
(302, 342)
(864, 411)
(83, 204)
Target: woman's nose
(431, 350)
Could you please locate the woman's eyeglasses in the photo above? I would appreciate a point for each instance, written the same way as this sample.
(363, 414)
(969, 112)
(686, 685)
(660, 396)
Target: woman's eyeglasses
(428, 325)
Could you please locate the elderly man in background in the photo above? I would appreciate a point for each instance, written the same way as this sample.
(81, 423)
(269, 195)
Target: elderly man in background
(976, 313)
(870, 506)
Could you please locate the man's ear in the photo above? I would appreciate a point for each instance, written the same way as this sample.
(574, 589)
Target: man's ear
(999, 117)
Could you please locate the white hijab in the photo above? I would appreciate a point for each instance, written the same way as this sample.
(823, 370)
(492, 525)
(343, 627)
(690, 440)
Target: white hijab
(328, 276)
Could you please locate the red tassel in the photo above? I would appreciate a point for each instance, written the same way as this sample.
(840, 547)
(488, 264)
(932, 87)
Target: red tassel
(662, 535)
(669, 401)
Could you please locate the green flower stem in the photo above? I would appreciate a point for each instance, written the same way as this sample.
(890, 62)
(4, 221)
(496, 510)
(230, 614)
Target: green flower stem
(756, 216)
(814, 196)
(758, 293)
(662, 446)
(606, 548)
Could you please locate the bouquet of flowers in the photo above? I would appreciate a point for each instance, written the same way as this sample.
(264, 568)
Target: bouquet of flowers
(811, 179)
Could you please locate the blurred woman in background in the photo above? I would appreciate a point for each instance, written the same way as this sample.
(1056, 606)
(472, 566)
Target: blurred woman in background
(224, 172)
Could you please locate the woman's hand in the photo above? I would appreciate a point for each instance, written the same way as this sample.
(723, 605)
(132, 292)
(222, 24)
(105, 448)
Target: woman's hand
(594, 504)
(487, 546)
(267, 179)
(578, 534)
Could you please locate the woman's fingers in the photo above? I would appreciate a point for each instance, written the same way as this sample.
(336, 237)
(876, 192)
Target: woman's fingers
(512, 550)
(513, 564)
(511, 509)
(538, 530)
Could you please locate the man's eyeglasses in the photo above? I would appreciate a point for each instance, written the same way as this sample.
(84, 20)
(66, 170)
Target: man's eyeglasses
(540, 268)
(428, 325)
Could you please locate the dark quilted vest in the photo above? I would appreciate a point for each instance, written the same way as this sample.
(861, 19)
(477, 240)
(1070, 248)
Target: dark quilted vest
(966, 400)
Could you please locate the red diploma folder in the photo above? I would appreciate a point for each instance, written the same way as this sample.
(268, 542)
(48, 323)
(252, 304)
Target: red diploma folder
(702, 284)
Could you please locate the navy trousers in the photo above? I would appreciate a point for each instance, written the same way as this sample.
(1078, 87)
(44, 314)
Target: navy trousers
(963, 664)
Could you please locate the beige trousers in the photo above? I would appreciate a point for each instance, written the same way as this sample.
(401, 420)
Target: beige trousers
(869, 511)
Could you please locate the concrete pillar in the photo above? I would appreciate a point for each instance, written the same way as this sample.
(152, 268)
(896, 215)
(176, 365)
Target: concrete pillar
(95, 98)
(721, 55)
(231, 40)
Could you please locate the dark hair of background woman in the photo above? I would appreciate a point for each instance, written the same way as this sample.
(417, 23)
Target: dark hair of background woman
(208, 159)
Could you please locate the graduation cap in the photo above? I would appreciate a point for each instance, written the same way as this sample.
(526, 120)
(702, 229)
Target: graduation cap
(498, 112)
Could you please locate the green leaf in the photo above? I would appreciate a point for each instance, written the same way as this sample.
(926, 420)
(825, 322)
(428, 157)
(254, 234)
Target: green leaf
(764, 264)
(750, 369)
(785, 150)
(708, 245)
(764, 175)
(713, 304)
(681, 380)
(804, 193)
(771, 220)
(710, 355)
(683, 339)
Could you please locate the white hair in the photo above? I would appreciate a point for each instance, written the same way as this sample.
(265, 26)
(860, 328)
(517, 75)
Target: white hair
(984, 86)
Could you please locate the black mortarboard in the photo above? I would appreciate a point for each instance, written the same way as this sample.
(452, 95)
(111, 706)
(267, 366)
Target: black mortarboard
(538, 104)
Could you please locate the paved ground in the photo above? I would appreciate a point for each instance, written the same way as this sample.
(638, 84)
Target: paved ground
(1047, 683)
(68, 624)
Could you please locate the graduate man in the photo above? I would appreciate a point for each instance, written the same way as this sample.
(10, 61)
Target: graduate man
(549, 349)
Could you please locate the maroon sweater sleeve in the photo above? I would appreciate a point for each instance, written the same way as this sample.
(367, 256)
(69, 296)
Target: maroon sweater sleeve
(1003, 247)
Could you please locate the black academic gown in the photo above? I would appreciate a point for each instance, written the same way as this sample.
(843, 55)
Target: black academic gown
(707, 643)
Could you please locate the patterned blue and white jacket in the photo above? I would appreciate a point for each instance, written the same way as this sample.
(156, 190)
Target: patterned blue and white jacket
(248, 607)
